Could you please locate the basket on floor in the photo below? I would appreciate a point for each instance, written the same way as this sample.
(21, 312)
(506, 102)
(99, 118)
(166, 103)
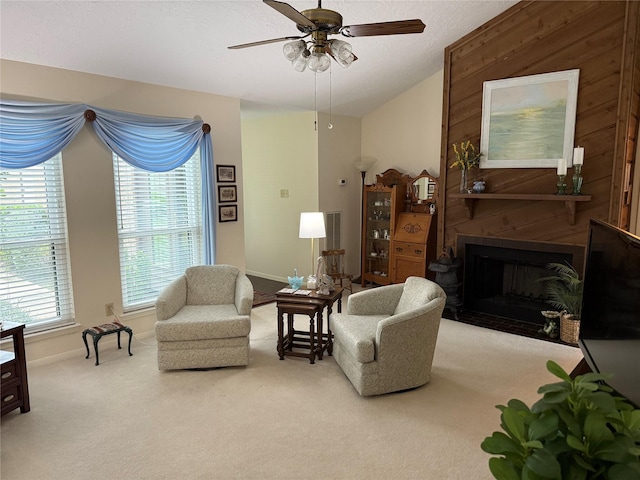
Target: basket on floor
(569, 329)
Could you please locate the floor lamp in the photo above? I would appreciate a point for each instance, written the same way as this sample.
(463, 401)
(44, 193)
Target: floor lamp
(363, 166)
(312, 226)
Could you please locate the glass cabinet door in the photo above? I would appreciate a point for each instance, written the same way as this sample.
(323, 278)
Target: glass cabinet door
(376, 236)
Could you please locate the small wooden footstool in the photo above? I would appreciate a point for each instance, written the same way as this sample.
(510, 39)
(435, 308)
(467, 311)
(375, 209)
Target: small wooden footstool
(100, 331)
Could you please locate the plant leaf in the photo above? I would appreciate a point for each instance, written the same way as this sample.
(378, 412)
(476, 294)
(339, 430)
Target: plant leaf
(617, 451)
(502, 469)
(558, 371)
(596, 430)
(518, 405)
(575, 443)
(556, 397)
(544, 427)
(622, 471)
(603, 401)
(513, 423)
(499, 444)
(544, 464)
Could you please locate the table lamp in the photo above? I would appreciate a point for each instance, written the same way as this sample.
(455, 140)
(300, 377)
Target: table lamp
(312, 226)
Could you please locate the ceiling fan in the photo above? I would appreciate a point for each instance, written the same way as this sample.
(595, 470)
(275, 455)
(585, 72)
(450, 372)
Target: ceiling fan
(319, 23)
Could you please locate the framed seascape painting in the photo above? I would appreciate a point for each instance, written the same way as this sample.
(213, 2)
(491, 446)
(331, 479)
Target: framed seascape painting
(227, 193)
(226, 173)
(529, 122)
(228, 213)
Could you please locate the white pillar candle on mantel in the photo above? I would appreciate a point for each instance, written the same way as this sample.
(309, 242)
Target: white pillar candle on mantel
(562, 166)
(578, 155)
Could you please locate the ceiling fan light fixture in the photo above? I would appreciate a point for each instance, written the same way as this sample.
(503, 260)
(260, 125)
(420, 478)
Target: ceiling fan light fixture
(301, 61)
(293, 50)
(342, 52)
(319, 61)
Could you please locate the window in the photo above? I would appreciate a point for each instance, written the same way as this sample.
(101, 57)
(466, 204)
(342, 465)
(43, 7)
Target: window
(35, 276)
(159, 228)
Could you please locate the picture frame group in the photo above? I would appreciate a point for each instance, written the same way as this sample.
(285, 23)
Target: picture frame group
(227, 193)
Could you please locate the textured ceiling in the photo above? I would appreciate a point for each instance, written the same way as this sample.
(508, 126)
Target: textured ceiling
(183, 44)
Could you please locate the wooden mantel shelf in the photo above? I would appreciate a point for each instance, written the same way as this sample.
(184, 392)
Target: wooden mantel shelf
(570, 201)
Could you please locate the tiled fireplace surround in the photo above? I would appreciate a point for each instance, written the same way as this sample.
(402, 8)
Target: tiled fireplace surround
(499, 285)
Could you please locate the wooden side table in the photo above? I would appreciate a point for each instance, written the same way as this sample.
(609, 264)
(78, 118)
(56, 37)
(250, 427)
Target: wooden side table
(15, 388)
(315, 341)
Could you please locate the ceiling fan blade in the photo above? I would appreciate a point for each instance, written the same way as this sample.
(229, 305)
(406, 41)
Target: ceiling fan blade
(291, 13)
(383, 28)
(264, 42)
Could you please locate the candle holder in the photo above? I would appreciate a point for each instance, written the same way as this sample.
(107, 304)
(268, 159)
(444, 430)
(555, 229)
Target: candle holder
(577, 180)
(562, 186)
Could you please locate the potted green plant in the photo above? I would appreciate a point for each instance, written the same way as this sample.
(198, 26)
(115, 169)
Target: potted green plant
(564, 290)
(578, 430)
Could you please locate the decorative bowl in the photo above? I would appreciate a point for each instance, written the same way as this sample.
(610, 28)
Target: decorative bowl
(295, 282)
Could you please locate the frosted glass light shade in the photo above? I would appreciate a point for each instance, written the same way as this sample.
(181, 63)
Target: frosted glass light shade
(312, 225)
(292, 50)
(300, 63)
(342, 52)
(319, 62)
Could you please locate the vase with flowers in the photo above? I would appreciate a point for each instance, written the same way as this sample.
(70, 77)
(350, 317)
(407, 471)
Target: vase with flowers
(466, 158)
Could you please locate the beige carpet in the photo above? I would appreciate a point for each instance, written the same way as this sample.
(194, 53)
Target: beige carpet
(273, 419)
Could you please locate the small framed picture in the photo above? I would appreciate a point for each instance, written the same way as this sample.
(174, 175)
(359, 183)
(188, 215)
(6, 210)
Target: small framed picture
(227, 193)
(228, 213)
(226, 173)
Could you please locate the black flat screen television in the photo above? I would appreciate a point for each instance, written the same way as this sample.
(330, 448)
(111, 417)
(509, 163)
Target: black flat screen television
(610, 323)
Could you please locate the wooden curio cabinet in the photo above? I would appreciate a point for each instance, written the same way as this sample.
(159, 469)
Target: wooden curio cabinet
(381, 206)
(399, 227)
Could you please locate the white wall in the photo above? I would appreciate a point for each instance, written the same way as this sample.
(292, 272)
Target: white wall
(339, 150)
(89, 185)
(279, 152)
(405, 133)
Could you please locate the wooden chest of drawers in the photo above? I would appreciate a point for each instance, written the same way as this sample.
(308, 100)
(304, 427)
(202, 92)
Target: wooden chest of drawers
(13, 371)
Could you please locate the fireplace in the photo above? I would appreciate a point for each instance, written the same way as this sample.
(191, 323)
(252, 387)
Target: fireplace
(501, 275)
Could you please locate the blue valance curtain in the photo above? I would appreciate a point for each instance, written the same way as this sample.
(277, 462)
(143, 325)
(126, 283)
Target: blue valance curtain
(31, 133)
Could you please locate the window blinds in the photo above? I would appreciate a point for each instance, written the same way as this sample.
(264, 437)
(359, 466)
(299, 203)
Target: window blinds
(159, 228)
(35, 279)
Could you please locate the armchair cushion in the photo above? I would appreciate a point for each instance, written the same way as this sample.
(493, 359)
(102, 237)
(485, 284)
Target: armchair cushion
(208, 286)
(200, 322)
(415, 294)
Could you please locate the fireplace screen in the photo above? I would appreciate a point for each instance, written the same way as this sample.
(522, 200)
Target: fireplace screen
(505, 281)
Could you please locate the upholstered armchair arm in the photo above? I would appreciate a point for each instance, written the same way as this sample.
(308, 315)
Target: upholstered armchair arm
(377, 301)
(244, 294)
(172, 298)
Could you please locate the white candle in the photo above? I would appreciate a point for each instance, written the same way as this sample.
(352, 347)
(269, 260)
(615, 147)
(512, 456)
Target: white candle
(562, 166)
(578, 155)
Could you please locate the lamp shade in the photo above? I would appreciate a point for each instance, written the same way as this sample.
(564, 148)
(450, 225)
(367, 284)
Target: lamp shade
(364, 164)
(312, 225)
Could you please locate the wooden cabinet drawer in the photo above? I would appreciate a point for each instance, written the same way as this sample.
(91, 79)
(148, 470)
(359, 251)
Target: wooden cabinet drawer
(409, 249)
(10, 398)
(8, 373)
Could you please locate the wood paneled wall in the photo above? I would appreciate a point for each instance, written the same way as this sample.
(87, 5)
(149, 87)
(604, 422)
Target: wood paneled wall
(602, 39)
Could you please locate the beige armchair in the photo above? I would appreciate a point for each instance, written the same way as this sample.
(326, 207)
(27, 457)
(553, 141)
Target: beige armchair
(203, 319)
(386, 339)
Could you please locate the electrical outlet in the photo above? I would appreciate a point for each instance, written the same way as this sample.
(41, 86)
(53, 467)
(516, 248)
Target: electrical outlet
(108, 309)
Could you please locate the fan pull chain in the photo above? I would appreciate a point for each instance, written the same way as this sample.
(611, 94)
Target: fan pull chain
(315, 105)
(330, 126)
